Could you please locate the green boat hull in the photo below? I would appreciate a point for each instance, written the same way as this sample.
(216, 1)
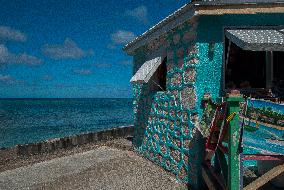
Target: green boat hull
(250, 128)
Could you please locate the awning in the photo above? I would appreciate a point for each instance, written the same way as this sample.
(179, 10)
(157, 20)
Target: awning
(257, 39)
(146, 71)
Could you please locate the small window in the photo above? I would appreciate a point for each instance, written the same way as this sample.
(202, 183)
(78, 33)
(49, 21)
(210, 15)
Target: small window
(162, 75)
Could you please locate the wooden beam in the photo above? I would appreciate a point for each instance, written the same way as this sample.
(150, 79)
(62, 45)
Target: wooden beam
(207, 180)
(210, 179)
(259, 182)
(216, 178)
(239, 9)
(223, 164)
(263, 157)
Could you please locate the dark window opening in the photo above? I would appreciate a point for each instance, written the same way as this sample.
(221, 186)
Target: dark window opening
(244, 69)
(258, 74)
(278, 73)
(162, 73)
(160, 77)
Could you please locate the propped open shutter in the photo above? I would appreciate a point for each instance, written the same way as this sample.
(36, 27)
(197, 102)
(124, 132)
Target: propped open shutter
(146, 71)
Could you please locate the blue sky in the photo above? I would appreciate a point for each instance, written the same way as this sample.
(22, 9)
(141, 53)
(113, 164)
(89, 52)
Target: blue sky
(72, 49)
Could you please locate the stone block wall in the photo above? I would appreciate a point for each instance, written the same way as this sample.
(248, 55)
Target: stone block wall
(164, 120)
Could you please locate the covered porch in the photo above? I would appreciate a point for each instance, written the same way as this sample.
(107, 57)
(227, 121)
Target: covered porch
(253, 62)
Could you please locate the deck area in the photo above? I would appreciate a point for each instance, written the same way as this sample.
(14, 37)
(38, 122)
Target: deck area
(109, 166)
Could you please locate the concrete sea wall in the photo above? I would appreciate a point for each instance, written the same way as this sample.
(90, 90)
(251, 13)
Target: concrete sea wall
(52, 145)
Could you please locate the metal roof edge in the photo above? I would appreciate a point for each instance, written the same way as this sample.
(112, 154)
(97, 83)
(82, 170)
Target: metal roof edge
(158, 28)
(190, 10)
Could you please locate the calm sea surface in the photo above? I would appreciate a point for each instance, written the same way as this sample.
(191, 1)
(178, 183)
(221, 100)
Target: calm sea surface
(32, 120)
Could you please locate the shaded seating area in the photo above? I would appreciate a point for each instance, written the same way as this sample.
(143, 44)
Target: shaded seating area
(254, 62)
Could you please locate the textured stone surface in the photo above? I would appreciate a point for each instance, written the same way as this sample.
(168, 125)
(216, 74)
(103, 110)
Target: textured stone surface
(163, 133)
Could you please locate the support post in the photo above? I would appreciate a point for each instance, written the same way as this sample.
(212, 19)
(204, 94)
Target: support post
(234, 177)
(269, 69)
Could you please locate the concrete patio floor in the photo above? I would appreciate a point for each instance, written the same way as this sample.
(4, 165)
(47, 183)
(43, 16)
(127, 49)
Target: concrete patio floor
(104, 167)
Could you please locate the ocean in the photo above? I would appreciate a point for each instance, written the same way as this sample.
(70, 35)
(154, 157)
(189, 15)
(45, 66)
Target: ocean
(32, 120)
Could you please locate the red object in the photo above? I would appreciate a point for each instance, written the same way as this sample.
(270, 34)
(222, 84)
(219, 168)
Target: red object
(263, 157)
(217, 129)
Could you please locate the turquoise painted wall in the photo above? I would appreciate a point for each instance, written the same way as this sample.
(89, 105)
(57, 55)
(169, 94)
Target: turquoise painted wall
(210, 31)
(165, 122)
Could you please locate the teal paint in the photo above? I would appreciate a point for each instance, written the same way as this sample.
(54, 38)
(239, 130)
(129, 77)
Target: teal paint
(165, 122)
(163, 131)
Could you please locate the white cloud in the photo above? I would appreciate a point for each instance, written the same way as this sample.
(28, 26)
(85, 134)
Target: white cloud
(122, 37)
(47, 78)
(9, 34)
(83, 72)
(111, 46)
(125, 62)
(7, 57)
(102, 65)
(67, 50)
(140, 13)
(6, 78)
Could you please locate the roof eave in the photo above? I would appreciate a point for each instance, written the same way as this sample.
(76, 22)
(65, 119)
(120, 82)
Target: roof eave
(170, 22)
(186, 12)
(238, 2)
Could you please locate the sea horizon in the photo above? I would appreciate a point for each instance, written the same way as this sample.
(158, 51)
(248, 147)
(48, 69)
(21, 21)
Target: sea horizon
(31, 120)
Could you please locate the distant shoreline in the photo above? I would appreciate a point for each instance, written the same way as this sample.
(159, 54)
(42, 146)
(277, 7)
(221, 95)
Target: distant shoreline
(262, 123)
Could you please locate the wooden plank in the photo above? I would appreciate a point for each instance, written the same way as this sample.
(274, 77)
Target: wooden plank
(263, 157)
(210, 180)
(215, 176)
(207, 180)
(223, 163)
(239, 9)
(259, 182)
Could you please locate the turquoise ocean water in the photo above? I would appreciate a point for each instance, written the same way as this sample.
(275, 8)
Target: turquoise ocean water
(32, 120)
(258, 141)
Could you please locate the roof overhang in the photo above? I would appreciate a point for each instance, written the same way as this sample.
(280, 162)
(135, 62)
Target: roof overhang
(204, 8)
(257, 39)
(236, 2)
(170, 22)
